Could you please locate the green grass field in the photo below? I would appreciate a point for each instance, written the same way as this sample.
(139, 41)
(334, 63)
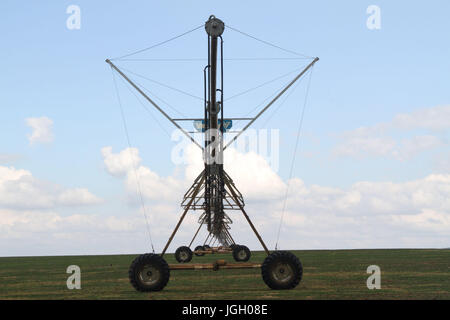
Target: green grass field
(340, 274)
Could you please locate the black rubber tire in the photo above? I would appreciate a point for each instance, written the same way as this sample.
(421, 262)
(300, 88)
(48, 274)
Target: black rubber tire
(232, 246)
(156, 263)
(274, 267)
(183, 254)
(201, 248)
(241, 253)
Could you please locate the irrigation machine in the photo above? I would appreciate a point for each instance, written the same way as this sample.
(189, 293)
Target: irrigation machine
(213, 192)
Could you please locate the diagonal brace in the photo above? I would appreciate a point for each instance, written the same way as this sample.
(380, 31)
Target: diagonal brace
(188, 206)
(273, 101)
(152, 102)
(235, 198)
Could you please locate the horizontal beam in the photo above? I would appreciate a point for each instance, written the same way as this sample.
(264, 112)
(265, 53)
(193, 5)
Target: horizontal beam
(212, 250)
(197, 119)
(213, 266)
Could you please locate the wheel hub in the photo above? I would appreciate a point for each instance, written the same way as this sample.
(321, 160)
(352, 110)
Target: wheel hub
(282, 272)
(183, 256)
(149, 275)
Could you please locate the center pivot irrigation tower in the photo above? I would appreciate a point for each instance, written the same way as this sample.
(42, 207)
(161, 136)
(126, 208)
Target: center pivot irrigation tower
(213, 191)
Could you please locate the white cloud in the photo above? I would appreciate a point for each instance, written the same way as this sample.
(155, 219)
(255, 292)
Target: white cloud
(360, 146)
(377, 140)
(365, 215)
(20, 190)
(442, 162)
(410, 147)
(436, 118)
(35, 215)
(19, 222)
(251, 171)
(46, 232)
(368, 214)
(41, 130)
(428, 220)
(76, 197)
(121, 163)
(9, 158)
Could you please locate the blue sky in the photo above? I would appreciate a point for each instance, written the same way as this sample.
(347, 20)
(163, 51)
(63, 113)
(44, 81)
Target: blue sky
(364, 78)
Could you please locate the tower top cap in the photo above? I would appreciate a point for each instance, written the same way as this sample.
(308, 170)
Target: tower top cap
(214, 27)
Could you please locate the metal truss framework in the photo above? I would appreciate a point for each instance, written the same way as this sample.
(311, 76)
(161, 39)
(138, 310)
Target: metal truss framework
(213, 191)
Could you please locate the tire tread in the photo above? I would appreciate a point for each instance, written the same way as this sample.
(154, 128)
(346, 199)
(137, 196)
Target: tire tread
(143, 260)
(284, 256)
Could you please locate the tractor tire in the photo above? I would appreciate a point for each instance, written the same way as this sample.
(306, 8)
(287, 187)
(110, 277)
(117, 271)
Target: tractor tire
(241, 253)
(183, 254)
(149, 272)
(199, 248)
(282, 270)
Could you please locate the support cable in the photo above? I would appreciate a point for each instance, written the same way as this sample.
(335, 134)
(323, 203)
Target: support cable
(146, 108)
(293, 159)
(138, 185)
(270, 44)
(159, 99)
(163, 84)
(262, 84)
(260, 104)
(158, 44)
(282, 102)
(205, 59)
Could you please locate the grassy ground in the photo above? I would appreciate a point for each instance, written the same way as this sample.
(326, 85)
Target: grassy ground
(405, 274)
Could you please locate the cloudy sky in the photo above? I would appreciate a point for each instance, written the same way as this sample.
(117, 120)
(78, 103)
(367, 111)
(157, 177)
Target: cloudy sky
(372, 169)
